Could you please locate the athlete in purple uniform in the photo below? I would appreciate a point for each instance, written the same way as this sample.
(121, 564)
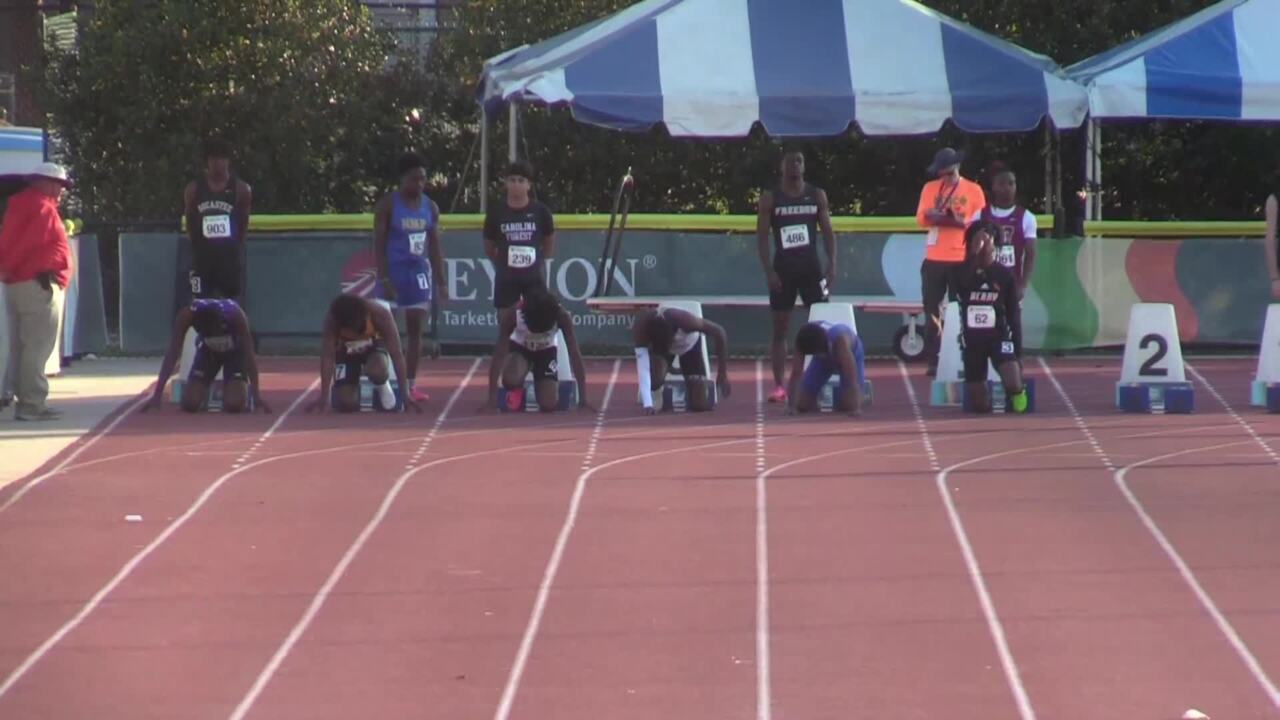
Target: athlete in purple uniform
(405, 234)
(223, 342)
(1016, 241)
(834, 349)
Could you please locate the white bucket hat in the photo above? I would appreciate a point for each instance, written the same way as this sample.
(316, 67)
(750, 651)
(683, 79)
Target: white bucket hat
(51, 171)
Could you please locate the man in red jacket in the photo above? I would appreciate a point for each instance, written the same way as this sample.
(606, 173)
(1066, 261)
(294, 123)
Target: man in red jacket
(34, 256)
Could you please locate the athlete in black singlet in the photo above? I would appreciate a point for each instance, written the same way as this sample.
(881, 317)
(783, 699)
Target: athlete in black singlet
(790, 214)
(216, 207)
(989, 310)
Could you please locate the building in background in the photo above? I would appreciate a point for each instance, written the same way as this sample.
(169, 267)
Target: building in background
(23, 25)
(416, 23)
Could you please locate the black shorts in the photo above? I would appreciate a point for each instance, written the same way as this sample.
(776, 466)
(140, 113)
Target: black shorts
(542, 363)
(691, 364)
(207, 363)
(508, 288)
(349, 366)
(810, 285)
(217, 271)
(983, 349)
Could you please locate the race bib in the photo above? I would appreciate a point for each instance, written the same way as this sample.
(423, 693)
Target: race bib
(418, 243)
(794, 236)
(356, 347)
(521, 256)
(219, 343)
(982, 317)
(540, 341)
(932, 238)
(1006, 347)
(340, 372)
(423, 283)
(217, 227)
(1005, 254)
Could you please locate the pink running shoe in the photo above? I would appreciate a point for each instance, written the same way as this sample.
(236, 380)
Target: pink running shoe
(418, 395)
(778, 395)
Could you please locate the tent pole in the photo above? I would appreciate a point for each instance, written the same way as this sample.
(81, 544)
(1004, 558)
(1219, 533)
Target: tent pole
(1088, 169)
(1097, 170)
(484, 160)
(512, 126)
(1048, 168)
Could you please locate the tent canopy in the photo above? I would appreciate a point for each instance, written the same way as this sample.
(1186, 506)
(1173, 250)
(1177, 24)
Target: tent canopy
(21, 150)
(713, 68)
(1222, 63)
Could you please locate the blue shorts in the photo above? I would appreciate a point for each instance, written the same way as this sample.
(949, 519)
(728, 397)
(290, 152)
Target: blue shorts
(412, 281)
(821, 368)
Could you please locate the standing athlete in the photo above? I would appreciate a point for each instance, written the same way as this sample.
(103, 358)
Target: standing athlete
(223, 342)
(519, 237)
(835, 349)
(791, 214)
(664, 334)
(216, 207)
(529, 344)
(1016, 241)
(405, 232)
(947, 202)
(989, 311)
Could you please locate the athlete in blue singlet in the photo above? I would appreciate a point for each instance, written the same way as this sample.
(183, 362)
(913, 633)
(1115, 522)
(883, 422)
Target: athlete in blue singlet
(835, 348)
(406, 234)
(223, 342)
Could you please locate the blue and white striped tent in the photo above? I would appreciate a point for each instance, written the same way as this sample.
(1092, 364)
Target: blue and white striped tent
(713, 68)
(1223, 63)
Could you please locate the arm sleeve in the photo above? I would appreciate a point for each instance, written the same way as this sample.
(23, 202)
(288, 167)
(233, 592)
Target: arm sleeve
(548, 220)
(1029, 226)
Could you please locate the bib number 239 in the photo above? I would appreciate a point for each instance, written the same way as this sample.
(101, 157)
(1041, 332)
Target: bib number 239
(217, 227)
(982, 317)
(521, 256)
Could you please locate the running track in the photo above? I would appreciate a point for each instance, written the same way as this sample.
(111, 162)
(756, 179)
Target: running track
(915, 563)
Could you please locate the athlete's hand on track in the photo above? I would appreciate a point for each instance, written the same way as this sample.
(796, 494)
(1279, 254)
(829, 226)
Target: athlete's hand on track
(775, 282)
(584, 405)
(319, 407)
(153, 404)
(411, 403)
(722, 384)
(262, 404)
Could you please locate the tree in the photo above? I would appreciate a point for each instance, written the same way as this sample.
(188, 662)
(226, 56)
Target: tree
(306, 90)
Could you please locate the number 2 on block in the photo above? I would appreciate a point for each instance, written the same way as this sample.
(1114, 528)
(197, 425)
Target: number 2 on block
(1149, 368)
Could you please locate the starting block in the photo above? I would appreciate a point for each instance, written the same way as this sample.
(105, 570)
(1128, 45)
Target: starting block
(526, 399)
(837, 314)
(947, 388)
(1153, 377)
(1000, 401)
(370, 400)
(1273, 398)
(674, 391)
(1268, 372)
(178, 385)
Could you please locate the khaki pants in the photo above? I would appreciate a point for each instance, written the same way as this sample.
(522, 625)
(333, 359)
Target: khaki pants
(34, 316)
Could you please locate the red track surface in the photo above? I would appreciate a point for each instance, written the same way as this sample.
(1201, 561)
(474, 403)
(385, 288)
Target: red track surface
(560, 567)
